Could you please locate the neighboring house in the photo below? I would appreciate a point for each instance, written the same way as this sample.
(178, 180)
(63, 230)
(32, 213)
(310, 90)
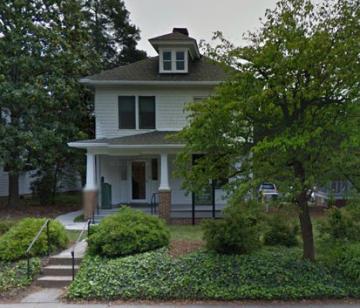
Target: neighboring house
(136, 107)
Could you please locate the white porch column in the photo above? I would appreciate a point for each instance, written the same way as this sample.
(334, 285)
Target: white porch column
(164, 173)
(90, 172)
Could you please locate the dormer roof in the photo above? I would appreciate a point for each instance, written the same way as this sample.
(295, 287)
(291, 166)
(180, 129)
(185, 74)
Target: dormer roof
(178, 37)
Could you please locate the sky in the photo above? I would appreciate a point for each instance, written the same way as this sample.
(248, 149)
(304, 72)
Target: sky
(201, 17)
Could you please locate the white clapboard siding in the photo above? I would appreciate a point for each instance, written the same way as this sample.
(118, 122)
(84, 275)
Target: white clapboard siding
(169, 108)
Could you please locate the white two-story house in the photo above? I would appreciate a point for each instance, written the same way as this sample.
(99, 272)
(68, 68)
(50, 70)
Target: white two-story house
(136, 107)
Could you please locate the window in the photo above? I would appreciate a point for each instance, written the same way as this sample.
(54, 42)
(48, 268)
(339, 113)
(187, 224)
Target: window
(127, 118)
(180, 60)
(173, 61)
(146, 112)
(167, 61)
(154, 169)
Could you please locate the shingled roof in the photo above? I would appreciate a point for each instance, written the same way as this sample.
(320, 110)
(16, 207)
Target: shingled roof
(202, 69)
(173, 36)
(147, 139)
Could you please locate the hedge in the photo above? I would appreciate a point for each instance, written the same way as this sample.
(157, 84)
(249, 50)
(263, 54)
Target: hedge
(13, 243)
(268, 274)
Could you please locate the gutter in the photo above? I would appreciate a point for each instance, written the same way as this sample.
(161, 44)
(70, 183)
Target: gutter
(87, 81)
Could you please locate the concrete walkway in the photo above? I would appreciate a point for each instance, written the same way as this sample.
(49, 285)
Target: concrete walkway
(68, 220)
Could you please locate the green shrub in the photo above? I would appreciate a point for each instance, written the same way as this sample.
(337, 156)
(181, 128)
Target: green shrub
(267, 274)
(340, 224)
(14, 275)
(5, 225)
(343, 258)
(13, 244)
(281, 231)
(237, 233)
(128, 232)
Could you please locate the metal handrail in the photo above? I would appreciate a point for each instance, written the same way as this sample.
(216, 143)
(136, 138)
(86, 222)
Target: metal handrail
(87, 224)
(27, 252)
(153, 203)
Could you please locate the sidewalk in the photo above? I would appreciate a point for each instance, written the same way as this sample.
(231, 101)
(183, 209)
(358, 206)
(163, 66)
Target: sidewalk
(68, 220)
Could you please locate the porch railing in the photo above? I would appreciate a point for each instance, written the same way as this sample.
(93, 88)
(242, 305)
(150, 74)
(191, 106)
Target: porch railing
(154, 203)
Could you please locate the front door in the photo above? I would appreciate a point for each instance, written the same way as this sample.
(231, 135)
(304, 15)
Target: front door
(138, 180)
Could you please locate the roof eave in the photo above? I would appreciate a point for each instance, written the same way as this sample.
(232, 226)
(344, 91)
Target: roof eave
(85, 145)
(87, 81)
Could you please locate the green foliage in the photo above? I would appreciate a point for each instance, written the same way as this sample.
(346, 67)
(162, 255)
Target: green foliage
(281, 231)
(5, 225)
(267, 274)
(237, 233)
(281, 110)
(79, 218)
(14, 275)
(340, 225)
(127, 232)
(13, 244)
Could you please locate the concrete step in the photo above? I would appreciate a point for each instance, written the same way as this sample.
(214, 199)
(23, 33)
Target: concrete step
(63, 261)
(59, 270)
(54, 281)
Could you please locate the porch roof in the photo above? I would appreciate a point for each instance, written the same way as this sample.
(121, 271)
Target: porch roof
(154, 139)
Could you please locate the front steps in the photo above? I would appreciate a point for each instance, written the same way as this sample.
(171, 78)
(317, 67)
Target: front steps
(58, 272)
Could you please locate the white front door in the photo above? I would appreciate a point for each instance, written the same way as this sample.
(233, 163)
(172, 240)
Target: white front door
(138, 181)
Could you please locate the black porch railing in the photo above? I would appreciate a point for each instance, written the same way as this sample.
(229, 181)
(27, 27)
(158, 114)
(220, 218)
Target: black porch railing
(27, 252)
(154, 203)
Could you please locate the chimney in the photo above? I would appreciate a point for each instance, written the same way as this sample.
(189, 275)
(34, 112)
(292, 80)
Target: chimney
(181, 30)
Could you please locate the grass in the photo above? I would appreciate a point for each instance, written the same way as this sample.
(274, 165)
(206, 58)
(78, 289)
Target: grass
(185, 232)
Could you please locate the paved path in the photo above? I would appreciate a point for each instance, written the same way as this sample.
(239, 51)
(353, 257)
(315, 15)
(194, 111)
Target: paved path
(68, 220)
(133, 305)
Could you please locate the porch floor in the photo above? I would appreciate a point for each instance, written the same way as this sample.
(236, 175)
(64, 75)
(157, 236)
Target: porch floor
(177, 210)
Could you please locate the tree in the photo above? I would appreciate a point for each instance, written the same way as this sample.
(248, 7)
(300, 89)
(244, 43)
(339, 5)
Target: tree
(288, 112)
(43, 51)
(114, 38)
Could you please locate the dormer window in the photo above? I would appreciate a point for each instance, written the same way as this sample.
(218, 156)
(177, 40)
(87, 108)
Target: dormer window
(173, 61)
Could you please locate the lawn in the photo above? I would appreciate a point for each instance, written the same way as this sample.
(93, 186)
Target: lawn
(186, 232)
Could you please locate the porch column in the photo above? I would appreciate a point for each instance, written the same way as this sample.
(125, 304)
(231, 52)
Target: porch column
(164, 189)
(90, 189)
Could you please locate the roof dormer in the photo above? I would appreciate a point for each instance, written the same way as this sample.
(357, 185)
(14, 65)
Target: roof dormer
(175, 50)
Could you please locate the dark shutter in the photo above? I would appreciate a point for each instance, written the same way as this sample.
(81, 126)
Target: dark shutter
(146, 112)
(127, 112)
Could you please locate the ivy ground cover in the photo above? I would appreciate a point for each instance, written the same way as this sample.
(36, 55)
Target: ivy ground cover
(271, 273)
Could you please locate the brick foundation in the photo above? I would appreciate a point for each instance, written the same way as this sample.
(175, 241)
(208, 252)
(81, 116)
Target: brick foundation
(165, 205)
(89, 203)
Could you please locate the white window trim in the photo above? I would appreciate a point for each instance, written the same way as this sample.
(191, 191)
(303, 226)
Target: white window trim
(137, 114)
(173, 60)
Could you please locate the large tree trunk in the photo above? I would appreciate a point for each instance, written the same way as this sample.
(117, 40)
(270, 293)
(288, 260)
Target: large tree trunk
(306, 230)
(14, 196)
(304, 215)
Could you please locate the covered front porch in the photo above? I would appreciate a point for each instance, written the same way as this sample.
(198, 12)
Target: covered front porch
(137, 170)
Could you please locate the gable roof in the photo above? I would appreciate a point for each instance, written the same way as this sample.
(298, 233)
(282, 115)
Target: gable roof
(201, 70)
(173, 36)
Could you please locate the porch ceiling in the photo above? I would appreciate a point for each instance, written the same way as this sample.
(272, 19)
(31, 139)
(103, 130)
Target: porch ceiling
(149, 140)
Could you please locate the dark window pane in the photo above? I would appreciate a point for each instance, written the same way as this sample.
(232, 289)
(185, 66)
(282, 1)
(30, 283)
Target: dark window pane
(126, 112)
(146, 112)
(180, 55)
(167, 55)
(180, 65)
(154, 169)
(167, 66)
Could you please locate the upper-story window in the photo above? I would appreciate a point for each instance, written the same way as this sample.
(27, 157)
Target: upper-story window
(137, 112)
(173, 61)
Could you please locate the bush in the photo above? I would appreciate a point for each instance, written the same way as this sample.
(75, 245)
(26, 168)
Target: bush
(237, 233)
(342, 258)
(5, 225)
(14, 275)
(128, 232)
(13, 244)
(267, 274)
(281, 231)
(340, 224)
